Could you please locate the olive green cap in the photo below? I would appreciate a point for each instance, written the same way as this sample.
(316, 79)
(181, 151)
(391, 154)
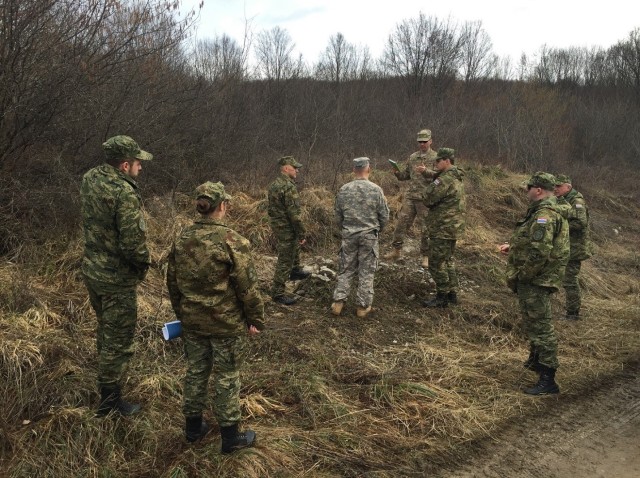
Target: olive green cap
(283, 161)
(214, 192)
(446, 153)
(562, 179)
(124, 147)
(542, 180)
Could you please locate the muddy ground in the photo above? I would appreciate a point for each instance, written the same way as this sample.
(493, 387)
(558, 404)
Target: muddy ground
(592, 436)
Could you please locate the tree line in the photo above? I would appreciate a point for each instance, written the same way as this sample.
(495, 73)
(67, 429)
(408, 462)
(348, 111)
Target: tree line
(75, 72)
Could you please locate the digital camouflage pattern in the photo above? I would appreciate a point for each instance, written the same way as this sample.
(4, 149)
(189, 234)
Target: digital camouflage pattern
(115, 250)
(224, 356)
(574, 209)
(539, 247)
(284, 214)
(417, 181)
(115, 260)
(446, 201)
(212, 281)
(441, 265)
(362, 213)
(535, 306)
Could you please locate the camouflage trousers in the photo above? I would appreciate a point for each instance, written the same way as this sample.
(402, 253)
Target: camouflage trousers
(410, 210)
(358, 255)
(117, 313)
(288, 259)
(571, 286)
(441, 265)
(224, 356)
(535, 306)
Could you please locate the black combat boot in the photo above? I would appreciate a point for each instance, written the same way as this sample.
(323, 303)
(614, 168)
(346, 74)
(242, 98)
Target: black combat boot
(573, 315)
(299, 274)
(440, 300)
(233, 440)
(285, 299)
(532, 362)
(111, 400)
(196, 428)
(452, 297)
(546, 384)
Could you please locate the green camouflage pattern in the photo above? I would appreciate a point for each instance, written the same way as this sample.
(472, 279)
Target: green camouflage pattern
(535, 306)
(115, 250)
(212, 281)
(571, 284)
(446, 201)
(116, 309)
(542, 180)
(362, 213)
(124, 147)
(284, 206)
(213, 192)
(224, 356)
(288, 249)
(446, 153)
(417, 181)
(575, 211)
(539, 247)
(441, 264)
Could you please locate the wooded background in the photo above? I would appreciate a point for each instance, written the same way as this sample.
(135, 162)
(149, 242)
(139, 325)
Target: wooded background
(73, 73)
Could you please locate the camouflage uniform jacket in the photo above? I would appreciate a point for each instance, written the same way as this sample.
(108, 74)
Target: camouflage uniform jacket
(445, 198)
(284, 206)
(360, 207)
(212, 281)
(576, 213)
(418, 181)
(539, 246)
(115, 250)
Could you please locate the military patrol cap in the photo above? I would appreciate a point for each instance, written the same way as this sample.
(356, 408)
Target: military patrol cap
(360, 163)
(424, 135)
(446, 153)
(283, 161)
(562, 179)
(542, 180)
(214, 192)
(124, 147)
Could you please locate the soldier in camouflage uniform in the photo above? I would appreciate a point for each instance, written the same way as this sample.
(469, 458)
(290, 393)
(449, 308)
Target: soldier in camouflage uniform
(538, 254)
(418, 175)
(116, 260)
(284, 215)
(362, 212)
(577, 214)
(445, 199)
(212, 285)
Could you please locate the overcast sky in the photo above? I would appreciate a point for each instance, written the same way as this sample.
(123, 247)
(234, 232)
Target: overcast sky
(515, 26)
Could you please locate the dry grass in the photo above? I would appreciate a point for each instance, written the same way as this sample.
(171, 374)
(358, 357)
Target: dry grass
(395, 395)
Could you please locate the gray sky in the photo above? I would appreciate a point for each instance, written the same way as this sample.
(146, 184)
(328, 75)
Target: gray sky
(515, 26)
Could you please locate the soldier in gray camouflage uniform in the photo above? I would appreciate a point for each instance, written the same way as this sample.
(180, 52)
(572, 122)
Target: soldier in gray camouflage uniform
(284, 215)
(577, 214)
(212, 285)
(362, 212)
(538, 255)
(418, 175)
(115, 261)
(444, 224)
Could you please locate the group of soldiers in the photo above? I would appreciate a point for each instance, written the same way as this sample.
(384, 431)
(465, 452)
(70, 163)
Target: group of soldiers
(213, 285)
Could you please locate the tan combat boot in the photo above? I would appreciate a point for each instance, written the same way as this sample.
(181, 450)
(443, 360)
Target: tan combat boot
(394, 255)
(336, 307)
(362, 312)
(425, 262)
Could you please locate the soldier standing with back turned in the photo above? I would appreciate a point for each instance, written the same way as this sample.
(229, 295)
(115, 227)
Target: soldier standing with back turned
(116, 260)
(287, 226)
(362, 212)
(538, 254)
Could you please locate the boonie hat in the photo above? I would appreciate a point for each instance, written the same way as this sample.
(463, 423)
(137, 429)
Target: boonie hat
(124, 147)
(424, 135)
(446, 153)
(283, 161)
(562, 179)
(542, 180)
(214, 192)
(360, 163)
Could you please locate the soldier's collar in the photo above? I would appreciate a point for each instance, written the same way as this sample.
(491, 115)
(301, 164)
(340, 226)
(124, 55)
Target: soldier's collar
(210, 220)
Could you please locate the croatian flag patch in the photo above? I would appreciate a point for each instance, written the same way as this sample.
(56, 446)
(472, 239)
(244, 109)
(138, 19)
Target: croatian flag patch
(436, 181)
(541, 220)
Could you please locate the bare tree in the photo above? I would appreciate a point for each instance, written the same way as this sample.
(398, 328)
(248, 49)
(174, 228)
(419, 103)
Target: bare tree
(220, 60)
(343, 61)
(274, 52)
(476, 61)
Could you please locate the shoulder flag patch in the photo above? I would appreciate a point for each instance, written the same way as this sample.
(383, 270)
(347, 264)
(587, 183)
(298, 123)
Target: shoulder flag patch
(579, 206)
(436, 181)
(541, 220)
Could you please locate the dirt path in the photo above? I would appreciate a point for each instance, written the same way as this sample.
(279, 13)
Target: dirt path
(598, 436)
